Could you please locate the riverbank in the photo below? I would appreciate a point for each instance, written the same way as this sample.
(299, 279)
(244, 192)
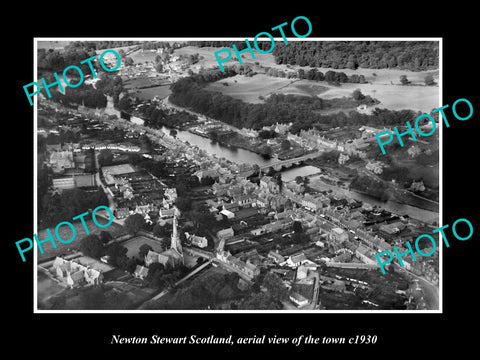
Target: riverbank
(230, 143)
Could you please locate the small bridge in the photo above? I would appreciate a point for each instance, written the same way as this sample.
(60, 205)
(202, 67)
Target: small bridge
(289, 162)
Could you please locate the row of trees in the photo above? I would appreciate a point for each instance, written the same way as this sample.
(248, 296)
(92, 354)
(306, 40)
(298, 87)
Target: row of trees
(410, 55)
(83, 95)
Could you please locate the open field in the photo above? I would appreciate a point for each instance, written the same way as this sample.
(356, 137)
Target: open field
(141, 57)
(144, 89)
(249, 89)
(55, 45)
(134, 244)
(66, 233)
(393, 97)
(149, 93)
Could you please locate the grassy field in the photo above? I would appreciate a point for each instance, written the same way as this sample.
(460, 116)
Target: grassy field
(249, 89)
(140, 57)
(66, 233)
(393, 97)
(150, 93)
(52, 44)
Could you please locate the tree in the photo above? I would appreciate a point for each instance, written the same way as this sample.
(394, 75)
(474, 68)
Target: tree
(158, 230)
(116, 252)
(260, 301)
(404, 80)
(357, 95)
(159, 67)
(286, 145)
(105, 236)
(429, 81)
(297, 227)
(299, 180)
(275, 287)
(105, 157)
(92, 246)
(143, 250)
(134, 223)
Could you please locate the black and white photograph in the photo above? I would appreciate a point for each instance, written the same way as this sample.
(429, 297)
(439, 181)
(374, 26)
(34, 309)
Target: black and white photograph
(257, 185)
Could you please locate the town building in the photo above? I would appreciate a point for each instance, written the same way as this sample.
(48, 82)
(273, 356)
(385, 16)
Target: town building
(225, 233)
(365, 255)
(339, 235)
(141, 272)
(276, 257)
(298, 299)
(80, 271)
(247, 269)
(60, 161)
(174, 255)
(198, 241)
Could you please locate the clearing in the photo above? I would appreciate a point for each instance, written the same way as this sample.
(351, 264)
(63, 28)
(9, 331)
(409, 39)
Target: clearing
(249, 89)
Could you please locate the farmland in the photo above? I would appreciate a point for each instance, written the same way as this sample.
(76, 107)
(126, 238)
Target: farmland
(249, 89)
(385, 87)
(147, 88)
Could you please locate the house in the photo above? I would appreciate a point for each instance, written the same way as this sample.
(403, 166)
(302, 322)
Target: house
(276, 257)
(225, 233)
(258, 231)
(227, 213)
(267, 183)
(247, 268)
(244, 200)
(61, 160)
(121, 213)
(170, 195)
(339, 235)
(141, 272)
(298, 299)
(302, 272)
(166, 213)
(312, 203)
(273, 227)
(297, 260)
(80, 271)
(199, 241)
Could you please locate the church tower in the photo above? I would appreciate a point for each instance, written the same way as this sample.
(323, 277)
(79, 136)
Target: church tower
(175, 241)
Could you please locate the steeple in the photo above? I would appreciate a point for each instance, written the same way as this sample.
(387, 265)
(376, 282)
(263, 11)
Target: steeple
(175, 241)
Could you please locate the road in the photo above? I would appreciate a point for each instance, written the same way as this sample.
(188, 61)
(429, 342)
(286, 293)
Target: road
(188, 276)
(430, 290)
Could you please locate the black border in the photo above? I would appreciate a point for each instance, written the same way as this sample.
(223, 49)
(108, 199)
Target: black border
(410, 334)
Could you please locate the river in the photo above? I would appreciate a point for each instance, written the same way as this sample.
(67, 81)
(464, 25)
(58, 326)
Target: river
(392, 206)
(238, 155)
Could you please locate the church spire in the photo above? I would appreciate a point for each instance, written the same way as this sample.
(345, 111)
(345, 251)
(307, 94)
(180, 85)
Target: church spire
(175, 241)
